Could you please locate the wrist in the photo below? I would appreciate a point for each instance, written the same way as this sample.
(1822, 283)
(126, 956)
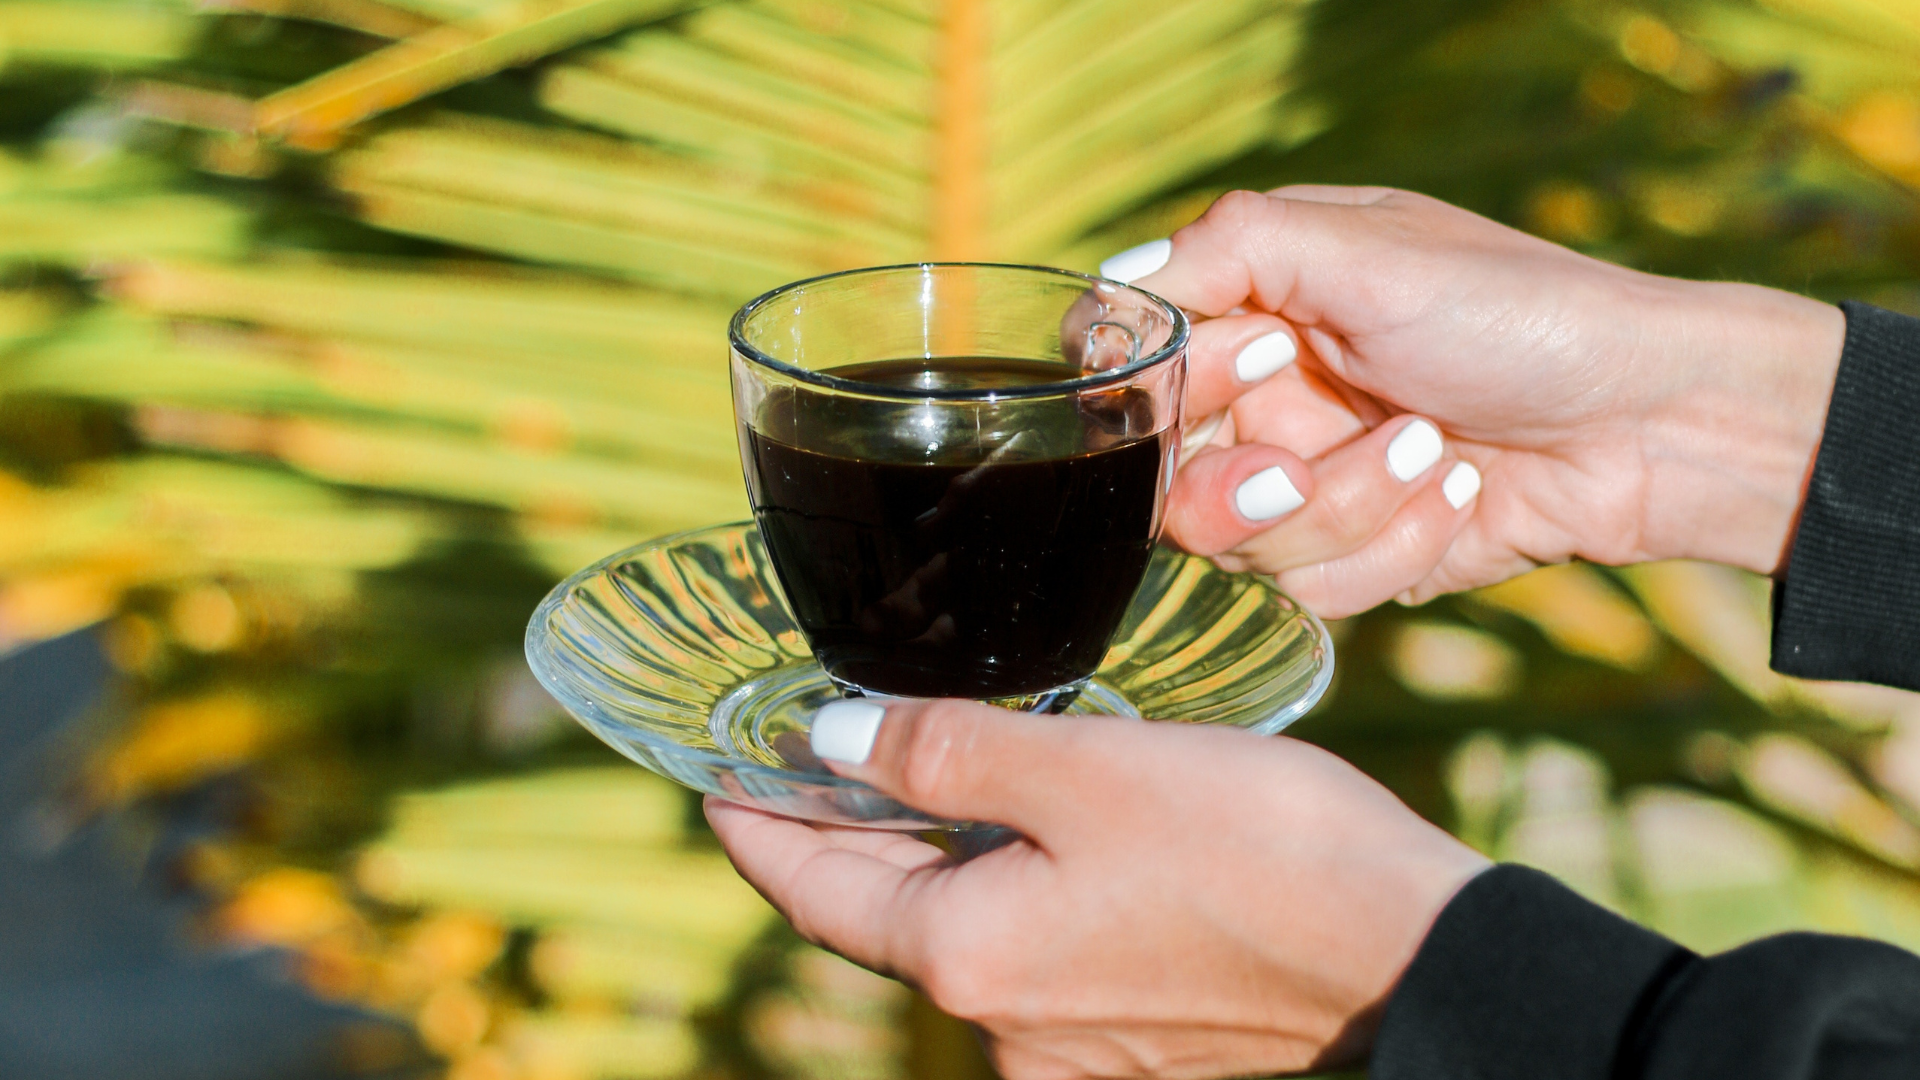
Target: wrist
(1425, 883)
(1747, 374)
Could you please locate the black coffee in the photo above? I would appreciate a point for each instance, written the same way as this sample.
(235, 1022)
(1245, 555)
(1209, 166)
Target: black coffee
(962, 578)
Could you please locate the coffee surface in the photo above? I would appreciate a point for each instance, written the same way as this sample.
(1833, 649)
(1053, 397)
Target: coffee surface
(989, 577)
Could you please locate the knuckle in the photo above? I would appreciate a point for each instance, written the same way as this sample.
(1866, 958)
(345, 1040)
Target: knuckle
(1411, 201)
(1235, 563)
(1309, 586)
(1012, 1063)
(1237, 210)
(929, 753)
(1345, 516)
(958, 986)
(807, 924)
(1174, 533)
(1188, 534)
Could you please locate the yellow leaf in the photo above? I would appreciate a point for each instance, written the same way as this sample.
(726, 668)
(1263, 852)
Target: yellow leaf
(1712, 874)
(1447, 663)
(95, 33)
(454, 1018)
(173, 744)
(655, 970)
(640, 1048)
(374, 17)
(1884, 128)
(52, 602)
(506, 34)
(285, 906)
(1580, 613)
(1804, 782)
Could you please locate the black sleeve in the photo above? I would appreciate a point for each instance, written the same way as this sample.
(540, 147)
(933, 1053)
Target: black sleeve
(1521, 979)
(1848, 606)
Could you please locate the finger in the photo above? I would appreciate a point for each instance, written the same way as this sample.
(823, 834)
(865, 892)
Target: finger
(1230, 356)
(1357, 490)
(847, 901)
(904, 850)
(960, 760)
(1333, 193)
(1397, 558)
(1226, 496)
(1303, 410)
(1252, 250)
(1137, 262)
(1482, 554)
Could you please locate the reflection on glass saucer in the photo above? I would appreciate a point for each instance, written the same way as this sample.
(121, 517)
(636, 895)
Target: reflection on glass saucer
(681, 654)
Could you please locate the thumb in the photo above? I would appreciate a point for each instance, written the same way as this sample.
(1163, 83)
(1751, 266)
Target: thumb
(958, 759)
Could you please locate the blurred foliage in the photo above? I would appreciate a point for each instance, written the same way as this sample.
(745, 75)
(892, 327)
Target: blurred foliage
(333, 331)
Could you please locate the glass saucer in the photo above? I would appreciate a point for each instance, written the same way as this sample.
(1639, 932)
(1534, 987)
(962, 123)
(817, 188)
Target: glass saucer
(681, 654)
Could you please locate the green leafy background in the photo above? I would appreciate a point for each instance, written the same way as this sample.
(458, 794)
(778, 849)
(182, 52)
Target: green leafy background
(308, 412)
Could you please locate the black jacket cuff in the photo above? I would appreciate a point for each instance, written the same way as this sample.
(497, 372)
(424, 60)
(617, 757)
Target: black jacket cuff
(1848, 606)
(1791, 1007)
(1518, 972)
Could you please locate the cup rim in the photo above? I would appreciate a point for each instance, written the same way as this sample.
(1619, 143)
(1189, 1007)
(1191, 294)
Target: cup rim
(1176, 341)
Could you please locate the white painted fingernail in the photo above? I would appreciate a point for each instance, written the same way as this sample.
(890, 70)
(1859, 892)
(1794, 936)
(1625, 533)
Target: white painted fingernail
(1461, 485)
(844, 730)
(1266, 495)
(1137, 262)
(1415, 450)
(1263, 356)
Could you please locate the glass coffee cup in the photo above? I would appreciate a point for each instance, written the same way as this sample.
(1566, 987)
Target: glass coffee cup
(959, 470)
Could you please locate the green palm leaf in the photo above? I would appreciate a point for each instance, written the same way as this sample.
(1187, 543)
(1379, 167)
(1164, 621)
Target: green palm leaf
(430, 335)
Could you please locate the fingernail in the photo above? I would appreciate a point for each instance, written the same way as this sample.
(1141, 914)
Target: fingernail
(1461, 485)
(1415, 450)
(843, 731)
(1266, 495)
(1263, 356)
(1137, 262)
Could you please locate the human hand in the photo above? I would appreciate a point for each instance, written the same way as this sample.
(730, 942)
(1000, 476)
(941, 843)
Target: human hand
(1614, 415)
(1183, 902)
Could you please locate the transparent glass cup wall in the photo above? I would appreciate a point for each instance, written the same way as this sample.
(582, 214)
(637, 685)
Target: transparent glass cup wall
(1124, 352)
